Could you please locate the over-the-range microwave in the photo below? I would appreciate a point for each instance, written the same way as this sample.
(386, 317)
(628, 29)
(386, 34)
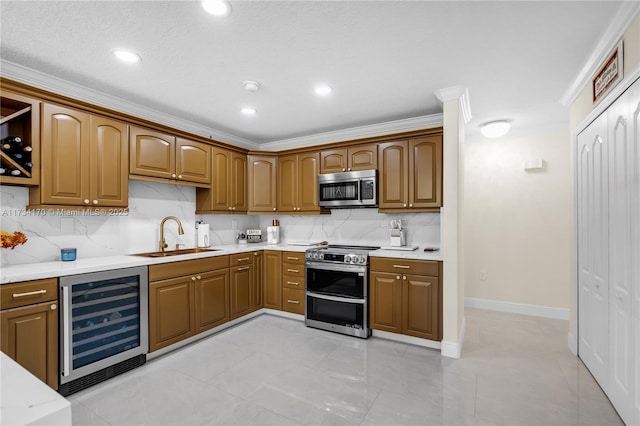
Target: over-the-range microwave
(349, 189)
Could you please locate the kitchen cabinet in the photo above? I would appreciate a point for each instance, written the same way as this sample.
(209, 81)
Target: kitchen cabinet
(351, 158)
(20, 116)
(258, 280)
(228, 192)
(158, 156)
(186, 298)
(293, 282)
(84, 160)
(410, 176)
(298, 183)
(272, 287)
(261, 182)
(29, 327)
(242, 282)
(406, 297)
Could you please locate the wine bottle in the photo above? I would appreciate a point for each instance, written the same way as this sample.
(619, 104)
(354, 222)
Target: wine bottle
(12, 140)
(27, 149)
(12, 172)
(3, 171)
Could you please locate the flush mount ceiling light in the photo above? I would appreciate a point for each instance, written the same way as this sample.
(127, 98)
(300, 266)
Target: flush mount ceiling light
(251, 86)
(126, 55)
(495, 129)
(323, 90)
(248, 111)
(216, 7)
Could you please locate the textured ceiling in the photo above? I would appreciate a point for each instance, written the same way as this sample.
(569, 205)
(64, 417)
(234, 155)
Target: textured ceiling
(384, 59)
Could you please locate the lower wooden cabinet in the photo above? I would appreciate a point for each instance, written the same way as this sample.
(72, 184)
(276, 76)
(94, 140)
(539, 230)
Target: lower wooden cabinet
(29, 331)
(293, 301)
(171, 312)
(406, 303)
(212, 297)
(258, 280)
(293, 282)
(272, 287)
(241, 290)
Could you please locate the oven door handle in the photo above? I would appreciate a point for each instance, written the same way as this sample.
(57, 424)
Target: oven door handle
(336, 267)
(336, 298)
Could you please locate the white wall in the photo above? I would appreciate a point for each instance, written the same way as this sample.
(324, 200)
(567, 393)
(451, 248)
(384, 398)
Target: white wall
(517, 224)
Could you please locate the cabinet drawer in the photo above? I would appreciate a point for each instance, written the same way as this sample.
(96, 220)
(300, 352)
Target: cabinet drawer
(241, 259)
(187, 267)
(293, 301)
(28, 293)
(405, 266)
(293, 269)
(293, 257)
(292, 281)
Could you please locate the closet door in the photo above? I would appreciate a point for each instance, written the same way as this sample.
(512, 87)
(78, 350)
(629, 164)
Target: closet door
(593, 248)
(635, 254)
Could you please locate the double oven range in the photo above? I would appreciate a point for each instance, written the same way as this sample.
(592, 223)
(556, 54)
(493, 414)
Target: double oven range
(337, 281)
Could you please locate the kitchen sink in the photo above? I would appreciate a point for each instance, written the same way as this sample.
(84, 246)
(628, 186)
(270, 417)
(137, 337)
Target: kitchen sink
(168, 253)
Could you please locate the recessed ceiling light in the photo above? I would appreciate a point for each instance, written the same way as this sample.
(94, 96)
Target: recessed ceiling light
(126, 55)
(216, 7)
(323, 90)
(248, 111)
(495, 129)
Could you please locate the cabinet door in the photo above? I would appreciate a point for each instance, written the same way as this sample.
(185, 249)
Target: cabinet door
(425, 172)
(171, 311)
(109, 155)
(212, 299)
(420, 306)
(333, 160)
(386, 301)
(261, 176)
(272, 288)
(394, 175)
(30, 337)
(258, 280)
(362, 157)
(288, 183)
(65, 156)
(308, 170)
(220, 196)
(240, 282)
(193, 161)
(238, 178)
(151, 153)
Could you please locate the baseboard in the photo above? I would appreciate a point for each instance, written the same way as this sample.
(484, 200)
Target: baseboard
(572, 343)
(282, 314)
(454, 349)
(517, 308)
(406, 339)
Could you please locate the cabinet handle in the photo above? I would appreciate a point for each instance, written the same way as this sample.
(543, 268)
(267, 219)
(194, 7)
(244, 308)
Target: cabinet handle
(243, 268)
(86, 201)
(274, 209)
(402, 266)
(173, 175)
(243, 259)
(295, 302)
(95, 202)
(198, 277)
(293, 283)
(404, 277)
(30, 293)
(229, 207)
(255, 254)
(349, 169)
(292, 258)
(404, 205)
(293, 270)
(397, 277)
(54, 307)
(193, 278)
(344, 170)
(233, 208)
(179, 176)
(410, 205)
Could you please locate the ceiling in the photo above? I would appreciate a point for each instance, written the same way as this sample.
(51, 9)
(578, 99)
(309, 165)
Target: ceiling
(384, 59)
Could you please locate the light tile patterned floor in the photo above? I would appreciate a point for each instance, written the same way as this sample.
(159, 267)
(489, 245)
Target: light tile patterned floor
(514, 370)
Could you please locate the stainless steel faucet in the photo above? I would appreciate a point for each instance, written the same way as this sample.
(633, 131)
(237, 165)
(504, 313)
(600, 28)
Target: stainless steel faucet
(163, 243)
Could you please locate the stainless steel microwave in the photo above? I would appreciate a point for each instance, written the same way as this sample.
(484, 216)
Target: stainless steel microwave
(349, 189)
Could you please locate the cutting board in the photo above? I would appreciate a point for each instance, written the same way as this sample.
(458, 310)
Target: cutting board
(401, 248)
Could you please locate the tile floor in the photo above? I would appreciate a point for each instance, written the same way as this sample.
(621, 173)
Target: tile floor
(514, 370)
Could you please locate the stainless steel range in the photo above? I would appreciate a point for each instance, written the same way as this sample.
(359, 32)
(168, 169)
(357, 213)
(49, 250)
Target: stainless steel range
(337, 281)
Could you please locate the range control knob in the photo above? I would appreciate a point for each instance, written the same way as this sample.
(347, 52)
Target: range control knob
(309, 255)
(317, 255)
(362, 260)
(347, 258)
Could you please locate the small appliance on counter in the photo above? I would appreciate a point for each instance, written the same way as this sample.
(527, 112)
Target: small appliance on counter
(273, 232)
(202, 234)
(396, 234)
(254, 235)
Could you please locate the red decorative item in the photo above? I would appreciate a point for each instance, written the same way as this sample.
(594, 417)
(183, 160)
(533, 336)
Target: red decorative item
(12, 240)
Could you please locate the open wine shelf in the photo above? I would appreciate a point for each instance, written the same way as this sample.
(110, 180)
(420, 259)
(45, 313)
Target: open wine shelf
(20, 116)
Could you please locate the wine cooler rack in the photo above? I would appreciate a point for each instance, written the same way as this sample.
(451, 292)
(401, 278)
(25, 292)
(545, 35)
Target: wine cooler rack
(19, 139)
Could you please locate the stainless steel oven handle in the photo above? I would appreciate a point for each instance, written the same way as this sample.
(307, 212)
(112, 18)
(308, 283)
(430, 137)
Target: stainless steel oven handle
(335, 298)
(66, 330)
(337, 267)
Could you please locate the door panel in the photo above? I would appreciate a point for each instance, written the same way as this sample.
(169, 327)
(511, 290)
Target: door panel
(287, 183)
(425, 172)
(421, 302)
(241, 277)
(363, 157)
(333, 160)
(171, 313)
(151, 153)
(193, 161)
(212, 299)
(109, 162)
(308, 170)
(386, 302)
(220, 187)
(394, 183)
(262, 184)
(272, 289)
(238, 182)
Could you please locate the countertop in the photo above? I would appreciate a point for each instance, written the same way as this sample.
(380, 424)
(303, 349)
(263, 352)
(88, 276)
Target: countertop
(27, 400)
(35, 271)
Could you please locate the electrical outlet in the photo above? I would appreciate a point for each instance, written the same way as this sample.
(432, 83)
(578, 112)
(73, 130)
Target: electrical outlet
(482, 275)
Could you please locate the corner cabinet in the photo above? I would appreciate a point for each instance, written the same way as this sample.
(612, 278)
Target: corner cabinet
(298, 183)
(84, 160)
(410, 177)
(351, 158)
(261, 183)
(161, 157)
(228, 192)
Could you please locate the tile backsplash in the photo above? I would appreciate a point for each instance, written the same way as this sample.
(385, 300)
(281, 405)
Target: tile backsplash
(115, 233)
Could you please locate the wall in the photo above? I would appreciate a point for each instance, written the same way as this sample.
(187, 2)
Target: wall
(517, 223)
(149, 203)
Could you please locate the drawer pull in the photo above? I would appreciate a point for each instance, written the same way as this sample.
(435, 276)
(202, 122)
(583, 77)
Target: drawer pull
(293, 283)
(292, 258)
(244, 268)
(293, 270)
(30, 293)
(402, 266)
(243, 259)
(295, 302)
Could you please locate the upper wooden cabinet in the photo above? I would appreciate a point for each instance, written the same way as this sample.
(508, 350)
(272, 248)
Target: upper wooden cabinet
(298, 183)
(352, 158)
(261, 182)
(228, 192)
(84, 160)
(157, 155)
(410, 176)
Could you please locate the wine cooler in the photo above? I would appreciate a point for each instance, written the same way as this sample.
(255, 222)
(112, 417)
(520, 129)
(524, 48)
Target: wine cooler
(104, 326)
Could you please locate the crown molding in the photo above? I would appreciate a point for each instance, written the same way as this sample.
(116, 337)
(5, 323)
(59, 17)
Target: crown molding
(627, 12)
(380, 129)
(456, 93)
(57, 85)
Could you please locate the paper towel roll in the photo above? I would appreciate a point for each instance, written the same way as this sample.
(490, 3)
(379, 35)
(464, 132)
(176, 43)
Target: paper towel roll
(202, 232)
